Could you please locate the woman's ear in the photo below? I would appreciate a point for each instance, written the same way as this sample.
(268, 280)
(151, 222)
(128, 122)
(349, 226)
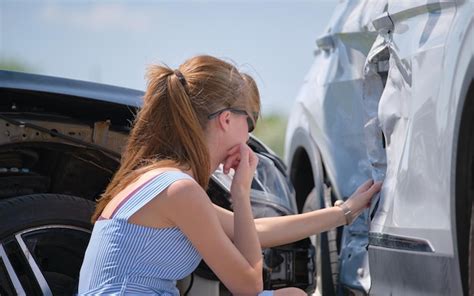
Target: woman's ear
(224, 120)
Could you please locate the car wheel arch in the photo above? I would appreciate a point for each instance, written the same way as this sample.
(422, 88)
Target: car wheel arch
(305, 165)
(54, 167)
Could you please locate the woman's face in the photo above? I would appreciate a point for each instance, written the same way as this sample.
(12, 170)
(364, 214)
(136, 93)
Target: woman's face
(241, 127)
(237, 130)
(231, 128)
(227, 128)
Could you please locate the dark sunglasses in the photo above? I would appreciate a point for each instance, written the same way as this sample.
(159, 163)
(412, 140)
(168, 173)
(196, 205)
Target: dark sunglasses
(250, 120)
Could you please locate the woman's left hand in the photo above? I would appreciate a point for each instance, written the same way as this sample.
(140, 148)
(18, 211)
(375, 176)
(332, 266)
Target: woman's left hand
(361, 198)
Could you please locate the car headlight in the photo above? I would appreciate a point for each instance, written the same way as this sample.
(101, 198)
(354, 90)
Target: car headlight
(271, 193)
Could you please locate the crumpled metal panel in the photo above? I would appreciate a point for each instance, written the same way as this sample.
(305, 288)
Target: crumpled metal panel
(430, 47)
(330, 106)
(414, 121)
(330, 99)
(373, 87)
(355, 271)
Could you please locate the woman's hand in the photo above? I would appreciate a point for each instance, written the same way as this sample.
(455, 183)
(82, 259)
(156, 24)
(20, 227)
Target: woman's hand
(232, 160)
(361, 198)
(244, 161)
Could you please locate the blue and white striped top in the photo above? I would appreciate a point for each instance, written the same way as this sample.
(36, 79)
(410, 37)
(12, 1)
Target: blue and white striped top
(124, 258)
(129, 258)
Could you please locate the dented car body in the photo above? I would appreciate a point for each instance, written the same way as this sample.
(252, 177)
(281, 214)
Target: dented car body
(60, 144)
(390, 97)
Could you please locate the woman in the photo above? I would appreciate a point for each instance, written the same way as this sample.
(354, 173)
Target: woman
(155, 222)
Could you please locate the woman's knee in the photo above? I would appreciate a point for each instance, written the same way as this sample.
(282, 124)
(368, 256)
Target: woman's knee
(290, 292)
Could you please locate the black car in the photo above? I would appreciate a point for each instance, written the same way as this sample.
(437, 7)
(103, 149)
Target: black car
(60, 144)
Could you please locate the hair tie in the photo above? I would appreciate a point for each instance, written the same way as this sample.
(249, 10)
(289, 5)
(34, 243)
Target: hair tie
(180, 77)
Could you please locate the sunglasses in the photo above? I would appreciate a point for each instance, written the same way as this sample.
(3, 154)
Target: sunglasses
(250, 120)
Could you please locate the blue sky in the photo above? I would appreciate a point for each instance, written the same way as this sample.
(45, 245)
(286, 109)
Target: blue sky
(114, 41)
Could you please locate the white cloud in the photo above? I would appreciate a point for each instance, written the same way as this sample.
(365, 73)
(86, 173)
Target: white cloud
(97, 16)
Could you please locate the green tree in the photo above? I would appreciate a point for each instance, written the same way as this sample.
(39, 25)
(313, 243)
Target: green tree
(14, 65)
(271, 131)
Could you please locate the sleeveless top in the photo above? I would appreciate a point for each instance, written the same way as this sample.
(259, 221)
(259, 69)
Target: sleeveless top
(124, 258)
(128, 258)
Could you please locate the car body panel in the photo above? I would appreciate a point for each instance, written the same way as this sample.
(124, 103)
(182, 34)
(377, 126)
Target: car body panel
(413, 118)
(419, 111)
(383, 99)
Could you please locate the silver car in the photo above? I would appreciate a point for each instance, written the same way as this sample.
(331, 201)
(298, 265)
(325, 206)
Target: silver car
(391, 96)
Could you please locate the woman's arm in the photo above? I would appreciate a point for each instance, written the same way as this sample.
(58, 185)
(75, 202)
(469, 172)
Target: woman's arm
(245, 235)
(275, 231)
(188, 207)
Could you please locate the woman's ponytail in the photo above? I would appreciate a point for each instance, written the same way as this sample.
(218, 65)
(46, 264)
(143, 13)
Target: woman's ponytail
(188, 129)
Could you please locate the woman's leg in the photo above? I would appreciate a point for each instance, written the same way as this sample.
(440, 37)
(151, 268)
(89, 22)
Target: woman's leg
(289, 292)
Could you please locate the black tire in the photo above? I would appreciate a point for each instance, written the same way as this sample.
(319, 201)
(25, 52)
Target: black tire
(327, 250)
(330, 249)
(328, 284)
(56, 230)
(465, 195)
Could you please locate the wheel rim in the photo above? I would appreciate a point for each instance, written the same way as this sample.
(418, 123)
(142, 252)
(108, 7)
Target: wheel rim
(45, 249)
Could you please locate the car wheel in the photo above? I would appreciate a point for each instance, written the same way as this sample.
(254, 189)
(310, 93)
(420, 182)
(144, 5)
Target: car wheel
(465, 232)
(43, 238)
(327, 250)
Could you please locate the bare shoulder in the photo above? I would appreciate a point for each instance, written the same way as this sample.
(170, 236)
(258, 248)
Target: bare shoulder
(181, 189)
(178, 200)
(186, 192)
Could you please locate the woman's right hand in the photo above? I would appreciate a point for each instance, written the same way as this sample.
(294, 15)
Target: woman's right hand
(360, 199)
(244, 161)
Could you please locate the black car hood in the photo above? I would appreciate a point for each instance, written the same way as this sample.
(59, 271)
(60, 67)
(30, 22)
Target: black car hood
(80, 100)
(87, 102)
(70, 87)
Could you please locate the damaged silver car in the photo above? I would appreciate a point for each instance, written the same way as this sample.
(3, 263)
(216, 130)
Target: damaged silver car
(60, 144)
(391, 96)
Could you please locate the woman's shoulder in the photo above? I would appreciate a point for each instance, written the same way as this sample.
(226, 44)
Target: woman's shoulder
(168, 169)
(182, 184)
(168, 173)
(185, 187)
(178, 192)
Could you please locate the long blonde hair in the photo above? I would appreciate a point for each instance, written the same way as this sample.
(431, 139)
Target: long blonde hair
(169, 128)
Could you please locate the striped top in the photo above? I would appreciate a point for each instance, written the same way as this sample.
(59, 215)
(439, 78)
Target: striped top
(125, 258)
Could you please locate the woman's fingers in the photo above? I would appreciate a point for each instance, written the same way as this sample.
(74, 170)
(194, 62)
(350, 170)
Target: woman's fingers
(373, 189)
(234, 150)
(233, 156)
(370, 193)
(363, 195)
(253, 160)
(365, 186)
(236, 155)
(232, 161)
(244, 166)
(376, 187)
(244, 154)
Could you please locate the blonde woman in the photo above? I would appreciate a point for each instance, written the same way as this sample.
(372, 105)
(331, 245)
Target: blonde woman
(155, 222)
